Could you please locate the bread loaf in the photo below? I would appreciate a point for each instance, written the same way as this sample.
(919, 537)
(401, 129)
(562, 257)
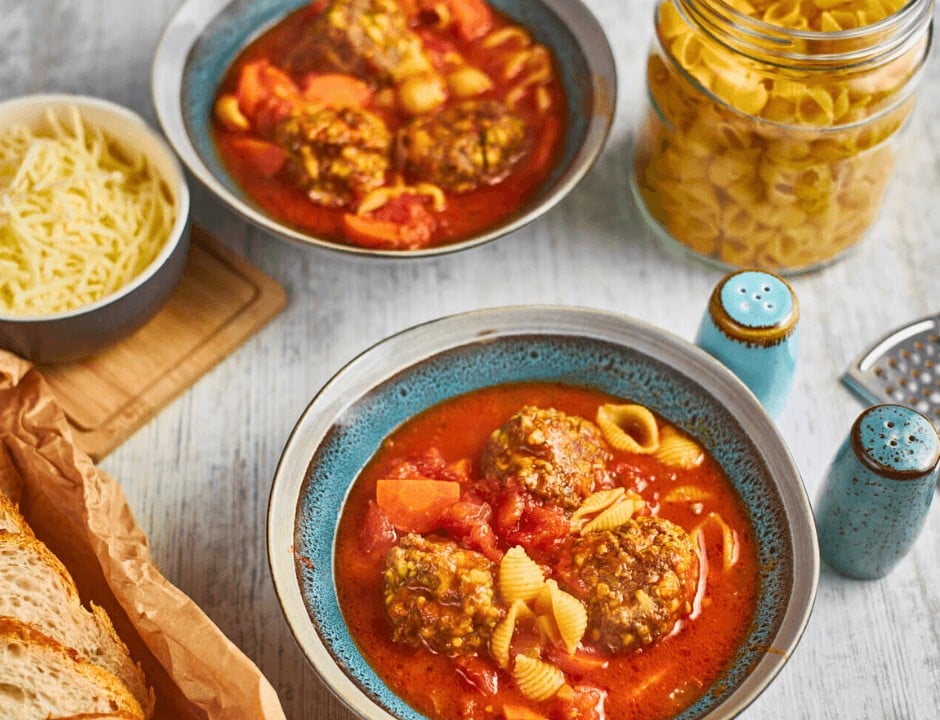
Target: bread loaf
(40, 678)
(40, 605)
(10, 519)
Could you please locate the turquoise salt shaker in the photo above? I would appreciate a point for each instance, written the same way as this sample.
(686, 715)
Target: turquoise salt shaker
(875, 497)
(751, 326)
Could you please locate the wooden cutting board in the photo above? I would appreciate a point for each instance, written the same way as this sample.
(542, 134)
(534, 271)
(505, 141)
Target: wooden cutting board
(221, 301)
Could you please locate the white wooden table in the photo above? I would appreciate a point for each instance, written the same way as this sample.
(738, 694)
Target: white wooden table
(198, 475)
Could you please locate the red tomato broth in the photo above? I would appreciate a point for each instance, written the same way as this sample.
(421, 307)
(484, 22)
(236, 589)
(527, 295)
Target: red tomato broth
(466, 213)
(653, 683)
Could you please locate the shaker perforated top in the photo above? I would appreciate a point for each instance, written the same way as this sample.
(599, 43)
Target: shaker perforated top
(896, 441)
(755, 306)
(757, 299)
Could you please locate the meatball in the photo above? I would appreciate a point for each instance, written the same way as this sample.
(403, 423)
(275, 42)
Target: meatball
(367, 38)
(338, 153)
(635, 580)
(440, 595)
(554, 456)
(463, 147)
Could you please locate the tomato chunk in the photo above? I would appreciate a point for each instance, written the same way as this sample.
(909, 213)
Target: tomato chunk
(468, 522)
(416, 504)
(264, 158)
(377, 534)
(266, 94)
(473, 18)
(582, 703)
(478, 673)
(403, 223)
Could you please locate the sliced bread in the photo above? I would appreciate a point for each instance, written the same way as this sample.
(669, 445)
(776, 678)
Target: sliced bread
(36, 589)
(10, 519)
(41, 679)
(118, 715)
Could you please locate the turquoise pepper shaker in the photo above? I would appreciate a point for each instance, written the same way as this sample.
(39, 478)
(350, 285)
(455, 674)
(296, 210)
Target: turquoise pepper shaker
(751, 326)
(875, 497)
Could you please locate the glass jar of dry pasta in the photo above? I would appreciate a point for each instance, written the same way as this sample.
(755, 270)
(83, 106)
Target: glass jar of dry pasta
(772, 125)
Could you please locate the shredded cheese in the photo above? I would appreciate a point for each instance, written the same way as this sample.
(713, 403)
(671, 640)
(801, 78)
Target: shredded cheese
(80, 216)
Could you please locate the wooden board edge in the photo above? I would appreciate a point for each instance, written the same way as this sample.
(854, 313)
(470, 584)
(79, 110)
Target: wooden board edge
(264, 307)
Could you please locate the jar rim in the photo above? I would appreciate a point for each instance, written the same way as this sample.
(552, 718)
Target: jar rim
(769, 42)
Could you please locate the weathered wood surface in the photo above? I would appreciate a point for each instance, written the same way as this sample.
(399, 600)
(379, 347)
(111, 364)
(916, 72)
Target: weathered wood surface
(198, 475)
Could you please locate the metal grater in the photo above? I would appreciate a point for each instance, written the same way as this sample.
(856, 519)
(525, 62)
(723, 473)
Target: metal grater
(902, 368)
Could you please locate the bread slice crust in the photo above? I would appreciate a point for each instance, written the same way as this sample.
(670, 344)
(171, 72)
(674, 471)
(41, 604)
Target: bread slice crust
(40, 678)
(36, 589)
(10, 518)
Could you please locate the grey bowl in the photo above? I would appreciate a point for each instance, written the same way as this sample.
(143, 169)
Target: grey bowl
(204, 36)
(71, 335)
(389, 383)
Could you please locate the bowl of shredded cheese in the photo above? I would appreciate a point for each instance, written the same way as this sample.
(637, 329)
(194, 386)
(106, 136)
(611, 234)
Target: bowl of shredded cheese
(94, 225)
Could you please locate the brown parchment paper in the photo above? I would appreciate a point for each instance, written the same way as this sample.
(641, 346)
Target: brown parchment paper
(81, 513)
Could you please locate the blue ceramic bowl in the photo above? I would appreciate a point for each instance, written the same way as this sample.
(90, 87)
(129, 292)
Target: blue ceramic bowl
(401, 376)
(204, 37)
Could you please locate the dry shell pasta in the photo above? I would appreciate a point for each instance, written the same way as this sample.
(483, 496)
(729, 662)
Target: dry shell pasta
(757, 164)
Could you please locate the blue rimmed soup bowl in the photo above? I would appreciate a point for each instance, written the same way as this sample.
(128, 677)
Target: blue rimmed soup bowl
(204, 37)
(398, 378)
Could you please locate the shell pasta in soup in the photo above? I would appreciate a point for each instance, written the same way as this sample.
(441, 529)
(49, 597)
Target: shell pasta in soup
(391, 124)
(545, 551)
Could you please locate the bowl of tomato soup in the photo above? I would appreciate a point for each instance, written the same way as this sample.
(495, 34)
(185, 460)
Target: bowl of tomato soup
(551, 511)
(396, 128)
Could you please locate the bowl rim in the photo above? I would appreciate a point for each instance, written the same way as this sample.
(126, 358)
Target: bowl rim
(127, 118)
(191, 18)
(417, 344)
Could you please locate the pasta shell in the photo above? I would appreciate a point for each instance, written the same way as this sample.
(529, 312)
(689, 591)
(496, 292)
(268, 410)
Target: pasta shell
(536, 679)
(595, 502)
(686, 494)
(679, 450)
(520, 577)
(729, 541)
(630, 428)
(501, 638)
(543, 601)
(549, 628)
(570, 616)
(614, 516)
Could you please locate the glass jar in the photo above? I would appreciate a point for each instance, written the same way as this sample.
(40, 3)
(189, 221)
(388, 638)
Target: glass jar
(772, 125)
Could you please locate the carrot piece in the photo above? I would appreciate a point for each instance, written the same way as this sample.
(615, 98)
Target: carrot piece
(371, 232)
(520, 712)
(336, 90)
(416, 504)
(266, 159)
(384, 234)
(472, 17)
(578, 663)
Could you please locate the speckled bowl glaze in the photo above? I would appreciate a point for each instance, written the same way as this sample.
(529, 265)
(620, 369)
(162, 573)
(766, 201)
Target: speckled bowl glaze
(204, 36)
(386, 385)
